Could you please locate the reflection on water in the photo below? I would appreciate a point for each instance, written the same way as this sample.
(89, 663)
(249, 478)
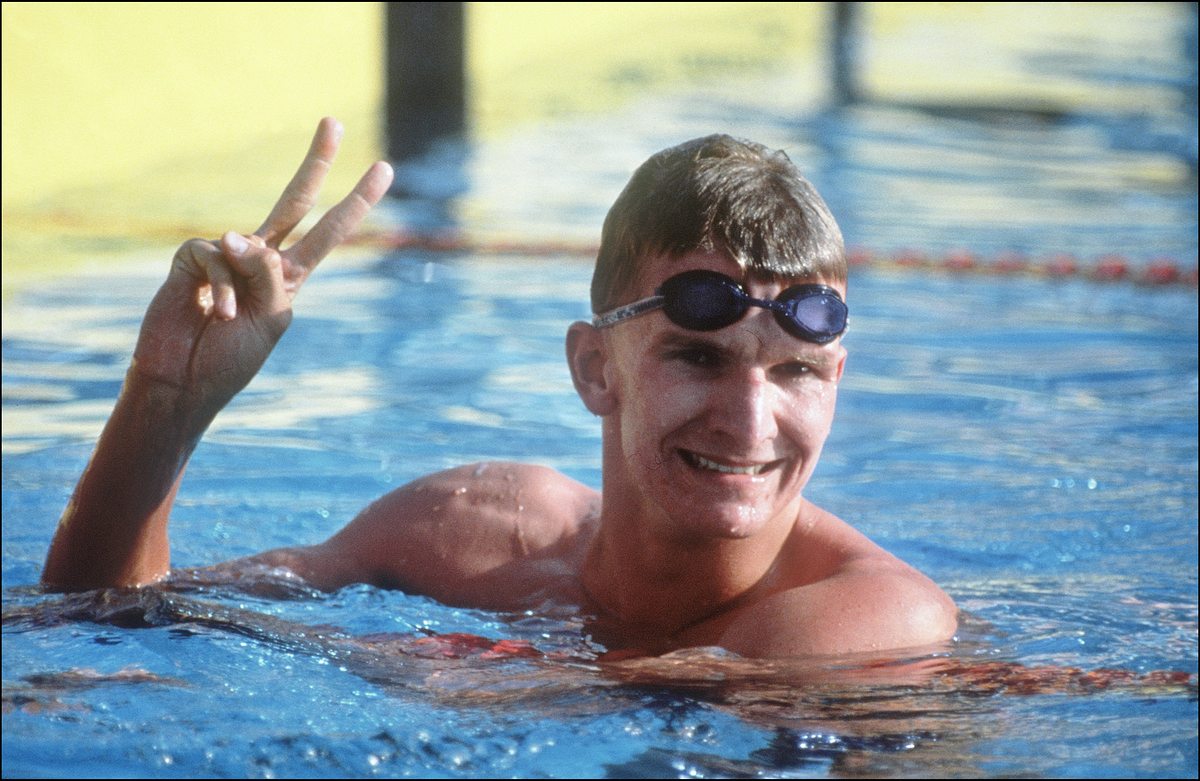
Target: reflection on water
(924, 713)
(1030, 444)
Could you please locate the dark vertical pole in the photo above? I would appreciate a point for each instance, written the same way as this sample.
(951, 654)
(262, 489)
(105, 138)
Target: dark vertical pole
(426, 76)
(844, 50)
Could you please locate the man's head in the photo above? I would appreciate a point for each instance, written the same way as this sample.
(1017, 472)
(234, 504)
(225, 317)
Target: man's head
(721, 194)
(714, 417)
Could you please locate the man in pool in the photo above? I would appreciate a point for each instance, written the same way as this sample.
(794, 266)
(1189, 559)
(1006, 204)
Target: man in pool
(713, 363)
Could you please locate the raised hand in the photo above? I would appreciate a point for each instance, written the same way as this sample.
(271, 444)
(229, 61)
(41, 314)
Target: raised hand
(207, 332)
(226, 302)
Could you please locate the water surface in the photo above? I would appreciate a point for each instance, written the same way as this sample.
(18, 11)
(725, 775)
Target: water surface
(1029, 443)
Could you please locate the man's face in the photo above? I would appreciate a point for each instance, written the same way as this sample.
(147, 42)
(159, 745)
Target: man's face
(717, 432)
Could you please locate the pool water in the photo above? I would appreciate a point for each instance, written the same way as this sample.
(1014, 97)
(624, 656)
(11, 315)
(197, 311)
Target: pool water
(1029, 443)
(1038, 462)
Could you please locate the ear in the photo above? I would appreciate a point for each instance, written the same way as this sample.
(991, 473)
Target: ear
(587, 356)
(841, 364)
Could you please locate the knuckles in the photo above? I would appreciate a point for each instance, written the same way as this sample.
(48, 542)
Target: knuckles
(195, 248)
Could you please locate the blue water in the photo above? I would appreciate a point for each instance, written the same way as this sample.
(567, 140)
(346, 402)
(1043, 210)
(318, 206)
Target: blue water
(1030, 444)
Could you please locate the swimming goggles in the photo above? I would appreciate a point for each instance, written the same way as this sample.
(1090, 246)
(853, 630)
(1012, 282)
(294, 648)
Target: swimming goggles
(707, 300)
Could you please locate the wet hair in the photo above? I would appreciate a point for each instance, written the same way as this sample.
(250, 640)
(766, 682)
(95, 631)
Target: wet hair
(718, 193)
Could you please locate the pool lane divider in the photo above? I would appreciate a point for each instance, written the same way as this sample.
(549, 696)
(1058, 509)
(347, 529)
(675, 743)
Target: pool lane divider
(1156, 272)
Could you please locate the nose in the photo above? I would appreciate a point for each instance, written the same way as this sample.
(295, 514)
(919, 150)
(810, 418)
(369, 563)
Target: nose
(745, 409)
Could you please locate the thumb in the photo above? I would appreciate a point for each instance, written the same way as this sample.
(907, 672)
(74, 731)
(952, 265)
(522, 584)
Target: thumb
(259, 266)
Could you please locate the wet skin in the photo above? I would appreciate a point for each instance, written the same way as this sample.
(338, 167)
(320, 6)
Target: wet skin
(715, 434)
(709, 441)
(702, 537)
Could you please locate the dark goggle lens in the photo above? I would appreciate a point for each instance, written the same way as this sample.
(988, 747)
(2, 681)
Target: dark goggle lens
(708, 301)
(702, 301)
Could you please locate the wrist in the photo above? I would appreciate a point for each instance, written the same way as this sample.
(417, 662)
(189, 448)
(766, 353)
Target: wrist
(166, 405)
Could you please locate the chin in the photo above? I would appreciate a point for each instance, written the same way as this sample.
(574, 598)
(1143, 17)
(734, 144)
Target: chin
(723, 522)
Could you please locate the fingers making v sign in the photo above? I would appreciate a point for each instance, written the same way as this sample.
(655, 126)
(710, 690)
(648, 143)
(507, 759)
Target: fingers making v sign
(226, 302)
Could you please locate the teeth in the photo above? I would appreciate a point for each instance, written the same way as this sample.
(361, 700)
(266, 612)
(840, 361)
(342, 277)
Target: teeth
(701, 461)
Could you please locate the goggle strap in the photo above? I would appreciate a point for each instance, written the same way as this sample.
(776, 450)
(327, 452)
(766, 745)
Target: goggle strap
(622, 313)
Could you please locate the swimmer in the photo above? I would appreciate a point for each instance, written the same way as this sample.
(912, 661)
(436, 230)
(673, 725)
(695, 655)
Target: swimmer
(712, 362)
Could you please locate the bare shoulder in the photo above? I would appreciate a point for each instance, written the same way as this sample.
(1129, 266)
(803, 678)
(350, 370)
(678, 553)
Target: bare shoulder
(457, 535)
(861, 599)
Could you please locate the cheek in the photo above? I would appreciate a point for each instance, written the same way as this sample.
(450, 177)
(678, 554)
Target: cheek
(650, 404)
(623, 376)
(812, 412)
(653, 408)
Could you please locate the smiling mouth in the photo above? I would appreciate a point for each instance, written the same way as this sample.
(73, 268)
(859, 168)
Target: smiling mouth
(698, 461)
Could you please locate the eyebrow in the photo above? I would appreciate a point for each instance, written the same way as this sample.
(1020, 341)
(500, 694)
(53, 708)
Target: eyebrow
(816, 354)
(688, 340)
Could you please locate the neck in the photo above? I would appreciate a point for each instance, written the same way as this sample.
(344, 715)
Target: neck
(653, 584)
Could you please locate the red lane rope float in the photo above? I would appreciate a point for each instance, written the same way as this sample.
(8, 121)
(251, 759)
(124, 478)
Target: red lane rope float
(1106, 268)
(1158, 272)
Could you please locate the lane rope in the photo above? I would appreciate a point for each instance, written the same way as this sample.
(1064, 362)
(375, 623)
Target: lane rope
(1156, 272)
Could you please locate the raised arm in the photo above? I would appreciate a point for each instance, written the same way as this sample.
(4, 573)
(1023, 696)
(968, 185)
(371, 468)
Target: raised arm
(207, 332)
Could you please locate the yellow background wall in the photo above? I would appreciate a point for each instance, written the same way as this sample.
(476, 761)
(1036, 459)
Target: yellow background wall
(134, 125)
(98, 92)
(95, 91)
(128, 125)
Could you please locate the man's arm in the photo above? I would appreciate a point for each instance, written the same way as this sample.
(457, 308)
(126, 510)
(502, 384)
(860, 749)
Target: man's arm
(486, 535)
(207, 332)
